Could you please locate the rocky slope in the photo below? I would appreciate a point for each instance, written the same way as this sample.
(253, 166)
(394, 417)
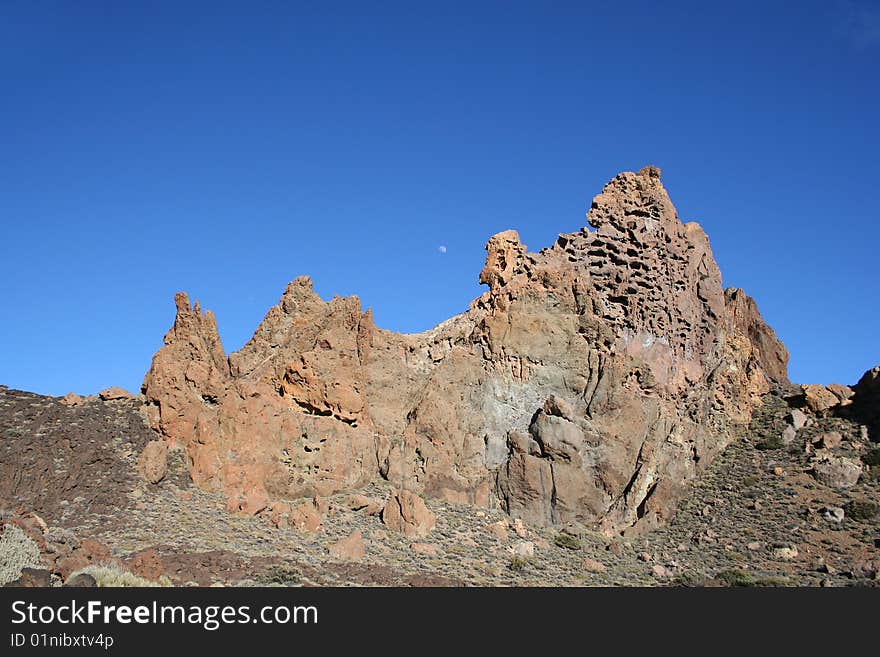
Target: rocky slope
(760, 515)
(590, 383)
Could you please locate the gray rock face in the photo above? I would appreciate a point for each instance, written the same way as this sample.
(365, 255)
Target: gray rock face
(588, 384)
(837, 471)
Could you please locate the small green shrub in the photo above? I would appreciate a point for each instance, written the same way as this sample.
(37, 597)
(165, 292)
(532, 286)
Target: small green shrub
(872, 458)
(518, 563)
(567, 541)
(861, 509)
(770, 442)
(736, 577)
(739, 577)
(109, 575)
(751, 480)
(689, 580)
(283, 576)
(773, 580)
(17, 551)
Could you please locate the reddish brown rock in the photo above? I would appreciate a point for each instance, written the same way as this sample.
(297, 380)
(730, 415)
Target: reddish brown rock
(305, 517)
(147, 564)
(819, 399)
(589, 383)
(73, 399)
(406, 512)
(499, 530)
(115, 392)
(350, 548)
(88, 552)
(153, 461)
(843, 393)
(428, 549)
(366, 505)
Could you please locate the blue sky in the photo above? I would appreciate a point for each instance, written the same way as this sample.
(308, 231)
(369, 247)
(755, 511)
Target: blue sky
(226, 148)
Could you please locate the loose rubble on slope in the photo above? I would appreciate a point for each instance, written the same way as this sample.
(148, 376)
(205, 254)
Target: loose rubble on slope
(757, 516)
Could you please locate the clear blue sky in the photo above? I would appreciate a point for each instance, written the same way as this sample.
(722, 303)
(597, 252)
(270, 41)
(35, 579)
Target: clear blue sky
(226, 148)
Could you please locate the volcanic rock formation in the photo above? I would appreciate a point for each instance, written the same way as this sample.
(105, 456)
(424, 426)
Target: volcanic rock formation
(589, 383)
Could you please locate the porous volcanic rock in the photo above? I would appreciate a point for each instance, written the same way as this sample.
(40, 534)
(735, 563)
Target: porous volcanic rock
(589, 383)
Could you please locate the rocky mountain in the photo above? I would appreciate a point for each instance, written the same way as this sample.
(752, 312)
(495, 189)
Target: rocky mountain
(602, 387)
(590, 383)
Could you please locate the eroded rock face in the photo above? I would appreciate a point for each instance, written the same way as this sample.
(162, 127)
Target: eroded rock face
(407, 513)
(588, 383)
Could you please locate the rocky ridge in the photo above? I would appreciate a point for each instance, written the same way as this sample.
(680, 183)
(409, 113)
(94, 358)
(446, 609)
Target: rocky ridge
(589, 384)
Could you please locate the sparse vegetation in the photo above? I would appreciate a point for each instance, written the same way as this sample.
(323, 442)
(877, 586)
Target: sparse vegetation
(567, 541)
(17, 551)
(518, 563)
(770, 442)
(283, 576)
(740, 577)
(751, 511)
(736, 577)
(110, 575)
(872, 458)
(773, 580)
(690, 580)
(861, 509)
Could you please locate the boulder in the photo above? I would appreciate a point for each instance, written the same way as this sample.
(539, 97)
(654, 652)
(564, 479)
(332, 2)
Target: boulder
(153, 461)
(828, 439)
(798, 418)
(406, 512)
(114, 393)
(819, 399)
(366, 505)
(147, 564)
(73, 399)
(837, 471)
(32, 578)
(82, 580)
(524, 549)
(350, 548)
(88, 552)
(428, 549)
(305, 517)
